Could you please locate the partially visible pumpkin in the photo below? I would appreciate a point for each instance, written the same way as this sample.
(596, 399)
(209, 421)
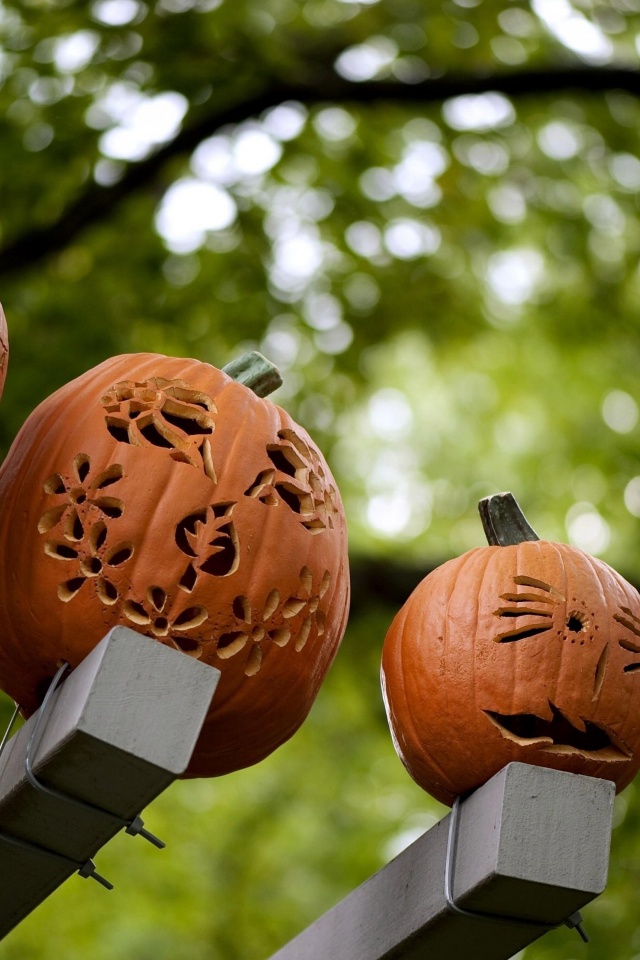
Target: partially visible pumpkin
(4, 349)
(160, 494)
(524, 650)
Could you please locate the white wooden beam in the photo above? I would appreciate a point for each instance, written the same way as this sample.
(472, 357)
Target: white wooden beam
(120, 729)
(532, 848)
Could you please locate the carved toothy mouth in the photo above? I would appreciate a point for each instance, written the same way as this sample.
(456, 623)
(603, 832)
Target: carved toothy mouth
(559, 735)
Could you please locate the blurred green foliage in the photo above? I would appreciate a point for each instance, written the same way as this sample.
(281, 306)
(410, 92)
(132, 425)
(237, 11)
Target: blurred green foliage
(451, 290)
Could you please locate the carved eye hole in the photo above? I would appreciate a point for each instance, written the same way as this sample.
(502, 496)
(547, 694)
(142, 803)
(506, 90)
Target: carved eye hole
(576, 622)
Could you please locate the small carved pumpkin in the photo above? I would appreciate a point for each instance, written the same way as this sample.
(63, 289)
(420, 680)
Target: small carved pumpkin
(160, 494)
(524, 650)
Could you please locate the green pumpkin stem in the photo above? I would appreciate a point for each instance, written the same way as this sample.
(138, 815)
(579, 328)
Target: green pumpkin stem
(256, 372)
(504, 522)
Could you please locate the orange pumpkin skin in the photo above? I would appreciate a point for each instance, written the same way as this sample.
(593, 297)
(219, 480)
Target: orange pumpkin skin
(4, 349)
(159, 494)
(528, 653)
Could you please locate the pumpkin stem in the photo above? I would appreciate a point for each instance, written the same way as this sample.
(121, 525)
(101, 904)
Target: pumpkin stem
(504, 522)
(256, 372)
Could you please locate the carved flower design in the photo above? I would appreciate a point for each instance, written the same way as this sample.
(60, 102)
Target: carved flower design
(296, 477)
(277, 620)
(152, 615)
(93, 561)
(77, 497)
(163, 413)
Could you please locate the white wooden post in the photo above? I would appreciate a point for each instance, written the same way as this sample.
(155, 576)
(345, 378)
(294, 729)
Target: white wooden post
(532, 849)
(532, 844)
(120, 729)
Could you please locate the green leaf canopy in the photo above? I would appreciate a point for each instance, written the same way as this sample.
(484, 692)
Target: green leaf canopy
(427, 215)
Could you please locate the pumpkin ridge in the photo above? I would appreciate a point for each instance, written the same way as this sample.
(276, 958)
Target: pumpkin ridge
(558, 677)
(599, 572)
(486, 571)
(397, 629)
(588, 568)
(227, 397)
(417, 737)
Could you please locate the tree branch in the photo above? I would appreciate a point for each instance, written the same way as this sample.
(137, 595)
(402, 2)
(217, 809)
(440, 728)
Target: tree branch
(388, 580)
(98, 201)
(383, 580)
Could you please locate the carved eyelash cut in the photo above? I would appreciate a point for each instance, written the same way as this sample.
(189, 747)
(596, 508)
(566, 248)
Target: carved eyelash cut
(525, 581)
(521, 612)
(529, 631)
(527, 598)
(522, 609)
(630, 646)
(630, 621)
(533, 622)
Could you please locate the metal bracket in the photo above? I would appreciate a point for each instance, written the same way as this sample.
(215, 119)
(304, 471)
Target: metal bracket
(86, 869)
(134, 827)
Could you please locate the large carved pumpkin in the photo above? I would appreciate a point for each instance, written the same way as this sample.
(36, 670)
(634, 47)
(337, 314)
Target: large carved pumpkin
(160, 494)
(524, 650)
